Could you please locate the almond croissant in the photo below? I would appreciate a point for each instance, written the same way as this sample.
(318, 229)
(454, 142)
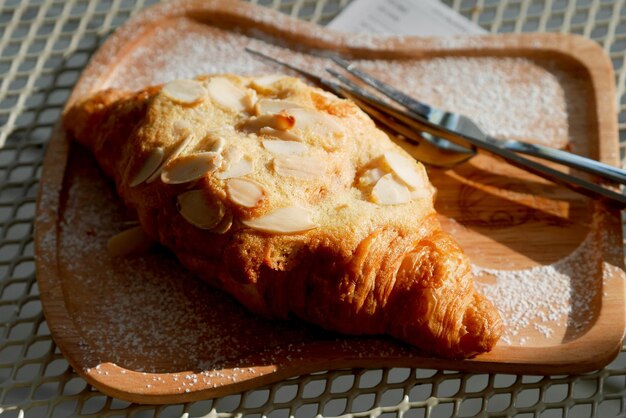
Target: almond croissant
(292, 200)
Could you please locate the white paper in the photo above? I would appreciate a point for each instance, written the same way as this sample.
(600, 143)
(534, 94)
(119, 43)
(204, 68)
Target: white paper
(403, 17)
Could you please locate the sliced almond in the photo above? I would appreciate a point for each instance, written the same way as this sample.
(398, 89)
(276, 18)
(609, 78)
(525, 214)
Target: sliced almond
(131, 241)
(315, 122)
(388, 191)
(272, 106)
(182, 130)
(284, 135)
(225, 224)
(237, 168)
(406, 169)
(182, 145)
(184, 91)
(304, 167)
(150, 165)
(278, 121)
(213, 141)
(198, 211)
(250, 99)
(289, 220)
(190, 167)
(277, 146)
(265, 82)
(370, 177)
(218, 145)
(232, 155)
(228, 95)
(246, 193)
(422, 193)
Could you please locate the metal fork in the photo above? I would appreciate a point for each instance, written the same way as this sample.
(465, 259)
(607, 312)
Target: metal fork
(423, 146)
(456, 136)
(465, 125)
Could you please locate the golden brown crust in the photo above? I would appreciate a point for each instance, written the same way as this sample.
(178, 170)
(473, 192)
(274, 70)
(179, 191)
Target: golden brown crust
(364, 268)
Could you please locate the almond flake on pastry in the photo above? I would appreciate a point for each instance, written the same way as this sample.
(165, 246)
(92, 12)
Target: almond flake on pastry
(150, 164)
(198, 211)
(266, 82)
(314, 121)
(388, 191)
(225, 224)
(190, 167)
(182, 131)
(288, 220)
(185, 91)
(407, 169)
(218, 144)
(284, 135)
(277, 146)
(246, 193)
(370, 177)
(274, 106)
(226, 94)
(304, 167)
(278, 121)
(236, 167)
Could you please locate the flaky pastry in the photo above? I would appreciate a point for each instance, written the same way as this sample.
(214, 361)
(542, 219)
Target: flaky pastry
(294, 202)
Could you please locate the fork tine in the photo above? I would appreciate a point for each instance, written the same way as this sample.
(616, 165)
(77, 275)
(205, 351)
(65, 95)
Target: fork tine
(352, 85)
(375, 107)
(399, 114)
(394, 94)
(416, 144)
(577, 184)
(371, 99)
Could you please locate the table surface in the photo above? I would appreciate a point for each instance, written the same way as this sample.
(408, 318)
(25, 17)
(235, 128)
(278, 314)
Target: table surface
(43, 48)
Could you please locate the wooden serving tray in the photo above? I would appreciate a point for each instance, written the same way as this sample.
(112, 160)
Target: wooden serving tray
(145, 330)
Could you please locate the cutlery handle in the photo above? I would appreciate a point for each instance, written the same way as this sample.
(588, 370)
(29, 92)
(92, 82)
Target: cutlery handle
(569, 159)
(495, 147)
(576, 184)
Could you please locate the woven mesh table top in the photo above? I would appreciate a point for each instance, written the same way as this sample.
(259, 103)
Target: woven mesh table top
(43, 48)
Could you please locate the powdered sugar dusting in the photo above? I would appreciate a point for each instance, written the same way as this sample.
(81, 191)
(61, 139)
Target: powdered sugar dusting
(509, 97)
(182, 51)
(554, 300)
(130, 309)
(148, 315)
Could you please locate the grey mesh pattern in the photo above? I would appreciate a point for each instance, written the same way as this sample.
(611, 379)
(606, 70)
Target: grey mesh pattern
(44, 45)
